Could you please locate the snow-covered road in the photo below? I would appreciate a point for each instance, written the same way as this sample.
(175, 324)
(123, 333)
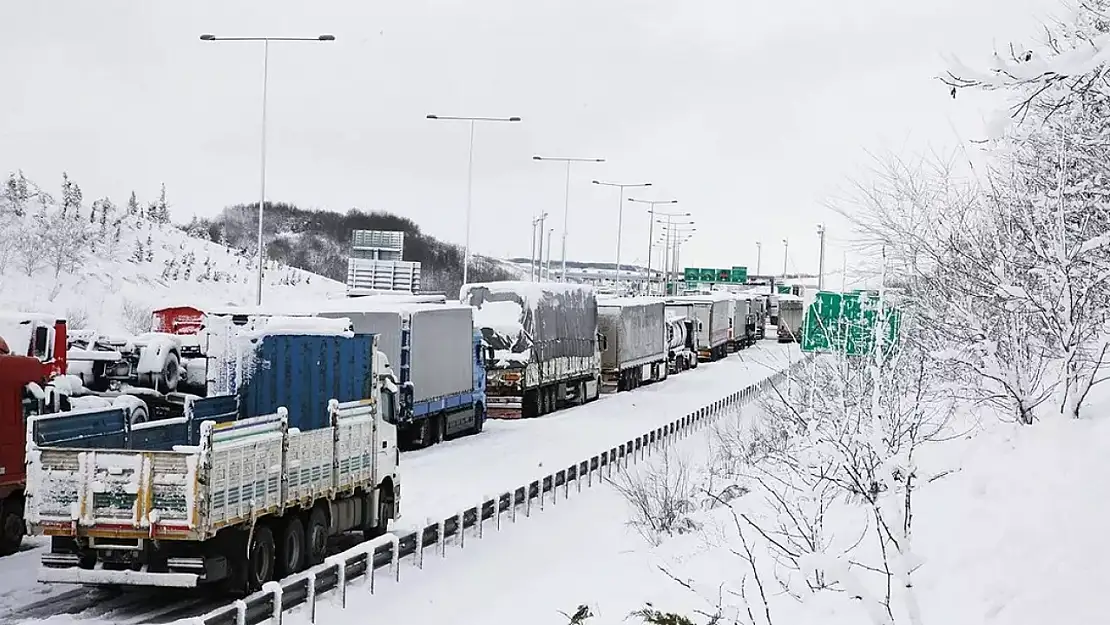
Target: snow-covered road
(441, 480)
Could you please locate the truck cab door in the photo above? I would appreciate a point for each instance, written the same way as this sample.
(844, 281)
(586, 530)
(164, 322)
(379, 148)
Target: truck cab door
(387, 457)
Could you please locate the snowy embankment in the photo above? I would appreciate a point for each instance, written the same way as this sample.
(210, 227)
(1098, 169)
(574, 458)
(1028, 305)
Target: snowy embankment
(116, 284)
(1011, 534)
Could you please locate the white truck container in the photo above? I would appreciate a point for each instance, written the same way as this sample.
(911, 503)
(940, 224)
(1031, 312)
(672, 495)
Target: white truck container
(209, 498)
(791, 315)
(633, 334)
(712, 314)
(440, 363)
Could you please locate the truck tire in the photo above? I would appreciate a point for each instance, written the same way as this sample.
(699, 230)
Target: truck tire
(170, 377)
(479, 418)
(11, 526)
(290, 547)
(316, 536)
(260, 558)
(385, 509)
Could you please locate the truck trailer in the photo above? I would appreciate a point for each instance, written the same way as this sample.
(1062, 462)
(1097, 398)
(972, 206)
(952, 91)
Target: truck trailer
(542, 345)
(791, 314)
(215, 497)
(441, 364)
(633, 335)
(712, 314)
(682, 354)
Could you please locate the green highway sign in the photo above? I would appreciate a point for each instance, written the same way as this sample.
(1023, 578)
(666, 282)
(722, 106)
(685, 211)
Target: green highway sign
(735, 275)
(845, 323)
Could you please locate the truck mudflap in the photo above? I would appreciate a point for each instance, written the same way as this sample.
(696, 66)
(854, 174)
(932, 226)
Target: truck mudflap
(76, 575)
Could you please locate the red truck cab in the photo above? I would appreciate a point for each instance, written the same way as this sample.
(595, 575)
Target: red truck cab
(37, 355)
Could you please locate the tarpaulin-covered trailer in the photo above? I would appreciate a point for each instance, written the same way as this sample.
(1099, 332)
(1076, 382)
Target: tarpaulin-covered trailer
(633, 341)
(542, 344)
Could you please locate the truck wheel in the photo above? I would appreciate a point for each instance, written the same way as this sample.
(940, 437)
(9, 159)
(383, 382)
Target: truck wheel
(11, 526)
(529, 405)
(260, 558)
(290, 547)
(385, 509)
(170, 377)
(479, 418)
(316, 536)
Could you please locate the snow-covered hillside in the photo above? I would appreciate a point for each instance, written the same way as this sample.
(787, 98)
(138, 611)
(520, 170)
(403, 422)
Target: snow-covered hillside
(106, 267)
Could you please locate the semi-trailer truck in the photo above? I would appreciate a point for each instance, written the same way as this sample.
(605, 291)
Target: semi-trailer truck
(712, 313)
(237, 491)
(441, 364)
(633, 333)
(681, 352)
(542, 345)
(791, 314)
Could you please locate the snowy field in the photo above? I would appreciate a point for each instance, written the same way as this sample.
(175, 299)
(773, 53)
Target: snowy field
(1014, 536)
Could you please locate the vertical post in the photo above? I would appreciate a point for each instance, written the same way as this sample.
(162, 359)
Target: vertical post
(550, 231)
(651, 236)
(532, 256)
(821, 260)
(566, 214)
(539, 259)
(469, 187)
(758, 257)
(262, 191)
(620, 224)
(785, 256)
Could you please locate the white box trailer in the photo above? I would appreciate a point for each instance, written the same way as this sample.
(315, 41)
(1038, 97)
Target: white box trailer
(633, 334)
(791, 315)
(439, 362)
(712, 313)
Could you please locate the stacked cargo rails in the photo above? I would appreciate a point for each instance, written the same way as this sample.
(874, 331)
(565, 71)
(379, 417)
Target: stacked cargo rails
(633, 336)
(542, 345)
(711, 311)
(441, 364)
(681, 352)
(161, 504)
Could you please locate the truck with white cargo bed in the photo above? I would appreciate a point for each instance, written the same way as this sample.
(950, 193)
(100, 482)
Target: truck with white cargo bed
(441, 364)
(216, 497)
(542, 345)
(633, 334)
(712, 314)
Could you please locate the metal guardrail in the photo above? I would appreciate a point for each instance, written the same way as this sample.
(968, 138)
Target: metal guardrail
(339, 570)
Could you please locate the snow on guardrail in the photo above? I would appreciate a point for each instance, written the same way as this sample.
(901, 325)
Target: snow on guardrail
(339, 571)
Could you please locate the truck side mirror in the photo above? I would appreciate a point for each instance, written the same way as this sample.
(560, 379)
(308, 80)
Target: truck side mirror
(42, 342)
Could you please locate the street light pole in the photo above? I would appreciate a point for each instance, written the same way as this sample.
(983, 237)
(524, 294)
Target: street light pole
(758, 257)
(536, 266)
(470, 174)
(671, 235)
(566, 198)
(620, 219)
(549, 231)
(651, 234)
(785, 256)
(265, 86)
(821, 260)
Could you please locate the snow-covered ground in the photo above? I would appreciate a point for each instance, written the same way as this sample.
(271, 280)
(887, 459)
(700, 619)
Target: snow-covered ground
(441, 480)
(116, 284)
(1013, 535)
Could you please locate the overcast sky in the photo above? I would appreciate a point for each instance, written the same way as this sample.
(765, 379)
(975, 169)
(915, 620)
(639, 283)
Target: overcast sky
(750, 114)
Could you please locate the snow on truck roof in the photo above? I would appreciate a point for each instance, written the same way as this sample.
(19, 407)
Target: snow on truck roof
(715, 296)
(529, 290)
(368, 305)
(620, 302)
(303, 326)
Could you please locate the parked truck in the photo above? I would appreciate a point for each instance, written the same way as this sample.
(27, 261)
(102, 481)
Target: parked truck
(740, 330)
(240, 489)
(791, 314)
(633, 335)
(441, 364)
(712, 313)
(682, 354)
(542, 345)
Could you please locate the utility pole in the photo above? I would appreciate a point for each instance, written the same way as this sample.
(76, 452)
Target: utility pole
(821, 260)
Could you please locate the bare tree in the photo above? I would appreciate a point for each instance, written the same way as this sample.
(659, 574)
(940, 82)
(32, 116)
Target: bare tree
(661, 494)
